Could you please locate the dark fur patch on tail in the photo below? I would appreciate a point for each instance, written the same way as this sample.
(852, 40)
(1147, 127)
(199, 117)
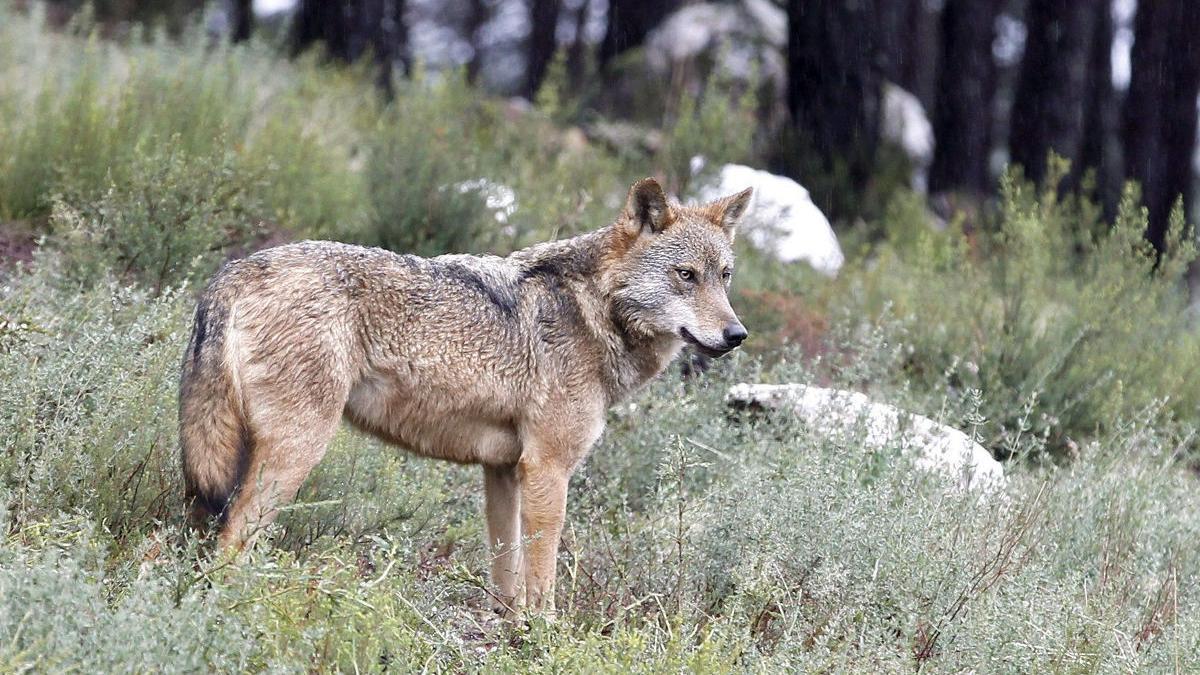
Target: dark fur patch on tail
(215, 503)
(209, 325)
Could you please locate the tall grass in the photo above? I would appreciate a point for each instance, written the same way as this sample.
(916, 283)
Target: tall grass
(698, 540)
(77, 111)
(1069, 325)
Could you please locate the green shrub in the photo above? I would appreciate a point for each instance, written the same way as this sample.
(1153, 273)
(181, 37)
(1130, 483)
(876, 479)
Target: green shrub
(697, 539)
(1067, 325)
(80, 114)
(427, 145)
(65, 607)
(87, 406)
(174, 215)
(718, 125)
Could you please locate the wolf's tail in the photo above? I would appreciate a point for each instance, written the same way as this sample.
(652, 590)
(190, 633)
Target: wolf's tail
(215, 440)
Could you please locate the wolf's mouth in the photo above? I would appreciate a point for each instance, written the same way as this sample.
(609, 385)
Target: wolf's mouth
(700, 346)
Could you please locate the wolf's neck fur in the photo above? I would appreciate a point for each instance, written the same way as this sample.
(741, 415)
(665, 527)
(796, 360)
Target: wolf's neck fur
(581, 268)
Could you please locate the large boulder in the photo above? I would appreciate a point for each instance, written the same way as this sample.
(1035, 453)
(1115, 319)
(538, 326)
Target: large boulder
(906, 126)
(852, 417)
(744, 39)
(743, 44)
(782, 219)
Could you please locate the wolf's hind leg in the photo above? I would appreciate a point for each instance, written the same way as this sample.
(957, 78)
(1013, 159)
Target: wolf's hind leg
(503, 497)
(283, 455)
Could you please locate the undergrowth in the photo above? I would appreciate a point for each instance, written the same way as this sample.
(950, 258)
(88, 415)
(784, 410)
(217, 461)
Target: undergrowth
(1068, 324)
(698, 539)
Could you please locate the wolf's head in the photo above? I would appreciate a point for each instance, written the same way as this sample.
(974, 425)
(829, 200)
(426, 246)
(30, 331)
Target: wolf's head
(669, 268)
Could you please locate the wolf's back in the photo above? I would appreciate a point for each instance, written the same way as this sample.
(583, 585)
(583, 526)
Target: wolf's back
(215, 442)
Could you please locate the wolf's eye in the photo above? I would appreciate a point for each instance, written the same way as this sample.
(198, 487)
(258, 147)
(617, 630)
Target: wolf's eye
(686, 275)
(726, 274)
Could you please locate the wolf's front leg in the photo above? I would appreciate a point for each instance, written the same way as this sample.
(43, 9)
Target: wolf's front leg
(504, 535)
(543, 509)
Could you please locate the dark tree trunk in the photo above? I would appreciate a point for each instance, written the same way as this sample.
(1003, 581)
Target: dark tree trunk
(383, 24)
(918, 73)
(543, 24)
(477, 15)
(629, 22)
(324, 21)
(963, 109)
(1048, 108)
(349, 30)
(908, 45)
(834, 82)
(1160, 108)
(895, 44)
(241, 13)
(577, 54)
(1101, 117)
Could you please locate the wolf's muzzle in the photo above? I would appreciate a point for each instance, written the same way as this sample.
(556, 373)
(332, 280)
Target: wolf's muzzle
(731, 339)
(734, 334)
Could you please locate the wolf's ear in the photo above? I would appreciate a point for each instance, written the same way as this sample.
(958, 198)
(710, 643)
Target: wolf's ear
(646, 209)
(727, 212)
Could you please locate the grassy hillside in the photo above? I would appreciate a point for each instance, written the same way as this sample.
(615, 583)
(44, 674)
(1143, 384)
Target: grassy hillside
(696, 539)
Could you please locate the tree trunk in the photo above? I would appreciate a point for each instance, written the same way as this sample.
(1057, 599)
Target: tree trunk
(834, 87)
(577, 53)
(542, 44)
(477, 15)
(241, 13)
(962, 112)
(383, 24)
(908, 45)
(349, 30)
(323, 21)
(918, 73)
(1048, 108)
(629, 22)
(1160, 108)
(1101, 117)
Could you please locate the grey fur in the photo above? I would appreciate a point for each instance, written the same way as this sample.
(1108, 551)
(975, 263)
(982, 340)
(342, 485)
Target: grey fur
(505, 362)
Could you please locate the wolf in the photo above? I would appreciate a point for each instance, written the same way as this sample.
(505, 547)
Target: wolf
(509, 363)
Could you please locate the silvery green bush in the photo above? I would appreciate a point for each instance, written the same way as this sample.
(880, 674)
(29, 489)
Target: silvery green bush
(699, 538)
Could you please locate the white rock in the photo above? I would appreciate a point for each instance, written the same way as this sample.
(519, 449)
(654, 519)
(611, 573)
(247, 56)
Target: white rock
(689, 31)
(270, 7)
(906, 125)
(745, 37)
(782, 219)
(771, 20)
(500, 199)
(850, 415)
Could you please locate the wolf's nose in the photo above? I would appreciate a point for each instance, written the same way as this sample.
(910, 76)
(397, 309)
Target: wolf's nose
(734, 334)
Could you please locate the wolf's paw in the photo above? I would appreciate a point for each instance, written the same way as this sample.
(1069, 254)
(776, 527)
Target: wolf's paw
(508, 608)
(540, 620)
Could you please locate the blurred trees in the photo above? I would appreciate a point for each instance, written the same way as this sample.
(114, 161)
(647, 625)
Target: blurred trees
(834, 88)
(352, 29)
(908, 38)
(542, 43)
(1101, 149)
(241, 20)
(628, 24)
(1048, 108)
(1160, 109)
(1063, 101)
(997, 78)
(963, 108)
(478, 14)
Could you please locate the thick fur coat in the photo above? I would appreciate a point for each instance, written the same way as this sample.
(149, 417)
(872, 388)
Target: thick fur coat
(505, 362)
